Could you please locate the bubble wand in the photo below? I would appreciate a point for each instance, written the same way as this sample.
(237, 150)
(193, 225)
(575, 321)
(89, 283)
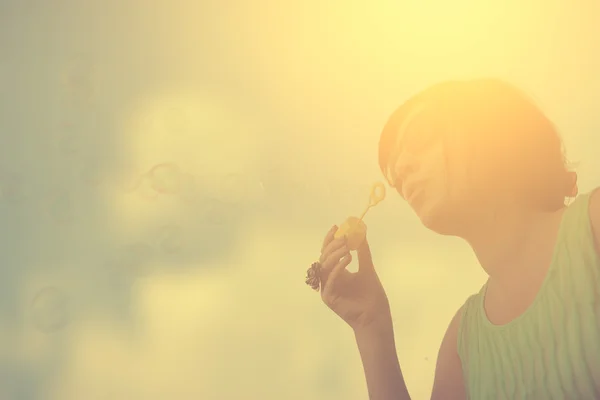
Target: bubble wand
(354, 229)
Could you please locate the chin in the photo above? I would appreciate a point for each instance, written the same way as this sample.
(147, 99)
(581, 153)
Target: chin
(439, 219)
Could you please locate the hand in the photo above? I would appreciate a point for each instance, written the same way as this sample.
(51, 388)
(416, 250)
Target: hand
(357, 297)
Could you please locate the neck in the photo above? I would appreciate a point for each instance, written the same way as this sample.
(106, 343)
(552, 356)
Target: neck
(513, 249)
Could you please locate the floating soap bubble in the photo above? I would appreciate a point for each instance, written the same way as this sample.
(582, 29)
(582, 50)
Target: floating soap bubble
(134, 259)
(50, 310)
(166, 178)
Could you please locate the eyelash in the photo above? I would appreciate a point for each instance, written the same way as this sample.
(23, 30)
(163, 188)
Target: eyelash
(410, 149)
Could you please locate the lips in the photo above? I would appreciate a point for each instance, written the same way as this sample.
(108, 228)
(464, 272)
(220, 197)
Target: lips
(409, 189)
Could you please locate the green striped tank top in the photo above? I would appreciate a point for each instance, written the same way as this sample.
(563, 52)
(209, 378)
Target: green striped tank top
(552, 350)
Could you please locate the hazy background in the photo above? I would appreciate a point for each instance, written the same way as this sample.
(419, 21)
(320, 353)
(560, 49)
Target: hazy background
(271, 111)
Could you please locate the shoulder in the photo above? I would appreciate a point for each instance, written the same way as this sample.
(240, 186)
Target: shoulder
(450, 348)
(458, 323)
(594, 211)
(456, 328)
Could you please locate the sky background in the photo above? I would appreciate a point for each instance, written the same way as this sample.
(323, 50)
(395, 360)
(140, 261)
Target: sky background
(271, 111)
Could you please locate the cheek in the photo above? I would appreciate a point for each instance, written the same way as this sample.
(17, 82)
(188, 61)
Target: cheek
(457, 173)
(434, 170)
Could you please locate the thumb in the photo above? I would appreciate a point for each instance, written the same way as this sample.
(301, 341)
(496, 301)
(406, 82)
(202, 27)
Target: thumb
(363, 253)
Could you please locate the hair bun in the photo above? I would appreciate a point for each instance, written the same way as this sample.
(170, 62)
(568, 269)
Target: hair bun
(571, 189)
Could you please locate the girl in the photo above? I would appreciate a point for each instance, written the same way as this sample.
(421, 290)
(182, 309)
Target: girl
(478, 160)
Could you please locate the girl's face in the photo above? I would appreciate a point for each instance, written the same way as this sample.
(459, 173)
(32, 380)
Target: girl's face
(430, 172)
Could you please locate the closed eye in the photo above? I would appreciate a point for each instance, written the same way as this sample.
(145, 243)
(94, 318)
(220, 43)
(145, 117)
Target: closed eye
(404, 165)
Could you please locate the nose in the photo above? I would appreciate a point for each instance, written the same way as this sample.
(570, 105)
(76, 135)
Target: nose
(405, 165)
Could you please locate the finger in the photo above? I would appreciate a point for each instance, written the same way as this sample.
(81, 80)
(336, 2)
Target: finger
(338, 269)
(330, 262)
(328, 237)
(365, 260)
(331, 247)
(333, 258)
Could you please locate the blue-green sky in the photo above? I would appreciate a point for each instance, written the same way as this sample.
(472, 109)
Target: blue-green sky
(290, 98)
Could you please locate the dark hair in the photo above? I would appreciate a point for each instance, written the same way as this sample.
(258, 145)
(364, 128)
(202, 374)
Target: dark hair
(505, 129)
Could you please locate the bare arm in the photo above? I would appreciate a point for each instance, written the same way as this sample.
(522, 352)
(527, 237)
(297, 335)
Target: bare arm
(382, 370)
(448, 383)
(378, 353)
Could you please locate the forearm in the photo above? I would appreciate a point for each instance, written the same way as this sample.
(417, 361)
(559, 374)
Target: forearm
(377, 349)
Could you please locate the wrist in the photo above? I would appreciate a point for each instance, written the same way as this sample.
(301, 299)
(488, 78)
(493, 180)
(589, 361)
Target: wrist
(377, 327)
